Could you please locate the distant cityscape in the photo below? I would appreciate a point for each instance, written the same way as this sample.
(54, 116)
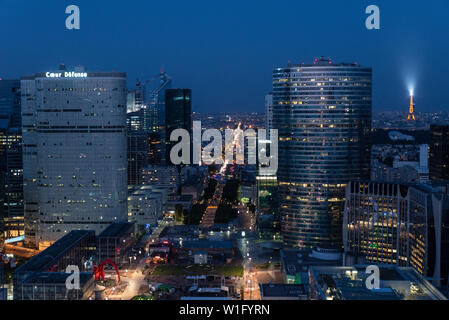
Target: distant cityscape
(89, 191)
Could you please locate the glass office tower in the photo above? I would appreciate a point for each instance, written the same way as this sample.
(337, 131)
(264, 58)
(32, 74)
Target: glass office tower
(406, 225)
(178, 114)
(439, 152)
(11, 164)
(323, 115)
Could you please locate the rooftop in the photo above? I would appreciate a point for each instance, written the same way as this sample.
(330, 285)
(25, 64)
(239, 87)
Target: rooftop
(294, 261)
(179, 231)
(349, 283)
(283, 290)
(117, 229)
(45, 259)
(203, 244)
(324, 62)
(182, 198)
(55, 278)
(89, 75)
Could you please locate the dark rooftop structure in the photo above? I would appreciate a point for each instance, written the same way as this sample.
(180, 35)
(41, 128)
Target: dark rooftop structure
(115, 241)
(271, 291)
(324, 62)
(56, 278)
(217, 252)
(349, 283)
(47, 258)
(117, 229)
(43, 276)
(52, 286)
(186, 232)
(295, 263)
(185, 197)
(89, 75)
(204, 244)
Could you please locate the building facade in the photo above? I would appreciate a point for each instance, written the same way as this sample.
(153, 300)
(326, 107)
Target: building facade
(75, 163)
(322, 112)
(439, 152)
(405, 225)
(11, 164)
(44, 276)
(138, 155)
(268, 113)
(178, 115)
(145, 207)
(115, 242)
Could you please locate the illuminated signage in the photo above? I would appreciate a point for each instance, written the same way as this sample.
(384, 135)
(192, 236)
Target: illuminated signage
(66, 74)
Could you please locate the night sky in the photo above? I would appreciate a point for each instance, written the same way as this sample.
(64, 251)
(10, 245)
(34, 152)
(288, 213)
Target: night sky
(226, 50)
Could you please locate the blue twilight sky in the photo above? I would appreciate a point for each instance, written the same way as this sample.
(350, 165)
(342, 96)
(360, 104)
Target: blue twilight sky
(226, 50)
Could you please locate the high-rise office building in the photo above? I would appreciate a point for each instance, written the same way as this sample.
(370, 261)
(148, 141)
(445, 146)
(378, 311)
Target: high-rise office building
(323, 115)
(144, 146)
(153, 97)
(131, 101)
(268, 113)
(3, 139)
(12, 181)
(138, 155)
(267, 203)
(146, 125)
(162, 177)
(10, 102)
(406, 225)
(11, 173)
(75, 164)
(178, 114)
(439, 152)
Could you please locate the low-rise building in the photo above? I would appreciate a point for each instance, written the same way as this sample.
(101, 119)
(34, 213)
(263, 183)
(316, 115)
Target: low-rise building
(180, 233)
(44, 275)
(185, 201)
(349, 283)
(161, 177)
(145, 207)
(215, 251)
(115, 242)
(271, 291)
(295, 263)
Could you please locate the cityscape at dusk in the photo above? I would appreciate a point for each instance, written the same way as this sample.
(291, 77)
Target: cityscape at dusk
(234, 158)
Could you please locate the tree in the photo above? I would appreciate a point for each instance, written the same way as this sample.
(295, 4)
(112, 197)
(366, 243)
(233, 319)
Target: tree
(179, 212)
(230, 190)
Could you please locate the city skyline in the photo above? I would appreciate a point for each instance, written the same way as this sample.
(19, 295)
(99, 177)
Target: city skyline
(235, 45)
(289, 150)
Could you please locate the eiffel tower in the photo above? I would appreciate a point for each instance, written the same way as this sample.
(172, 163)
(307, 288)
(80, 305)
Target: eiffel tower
(411, 113)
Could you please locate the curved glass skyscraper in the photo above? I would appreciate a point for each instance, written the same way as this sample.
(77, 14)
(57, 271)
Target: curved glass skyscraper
(323, 115)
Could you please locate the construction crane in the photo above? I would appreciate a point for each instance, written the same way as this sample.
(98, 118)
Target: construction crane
(164, 82)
